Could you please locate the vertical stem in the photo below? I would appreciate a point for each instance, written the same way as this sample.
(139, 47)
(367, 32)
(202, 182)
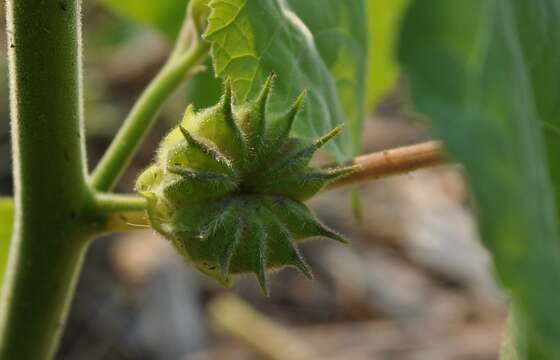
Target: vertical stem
(49, 239)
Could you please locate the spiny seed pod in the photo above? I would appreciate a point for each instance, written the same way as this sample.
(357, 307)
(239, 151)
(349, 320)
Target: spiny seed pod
(227, 188)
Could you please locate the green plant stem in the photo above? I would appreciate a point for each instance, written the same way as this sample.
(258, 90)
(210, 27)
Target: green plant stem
(119, 212)
(49, 237)
(114, 203)
(143, 114)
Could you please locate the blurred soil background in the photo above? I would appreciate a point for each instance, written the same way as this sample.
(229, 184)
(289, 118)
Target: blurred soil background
(414, 284)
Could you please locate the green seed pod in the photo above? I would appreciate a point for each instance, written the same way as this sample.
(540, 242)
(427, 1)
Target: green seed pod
(227, 188)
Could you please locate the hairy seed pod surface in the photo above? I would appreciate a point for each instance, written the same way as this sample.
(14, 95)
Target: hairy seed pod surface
(227, 188)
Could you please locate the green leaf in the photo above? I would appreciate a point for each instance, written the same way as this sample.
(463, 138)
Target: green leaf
(484, 73)
(315, 45)
(204, 89)
(165, 16)
(384, 18)
(6, 223)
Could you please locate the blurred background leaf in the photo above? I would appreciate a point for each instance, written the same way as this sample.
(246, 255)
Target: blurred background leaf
(166, 16)
(6, 223)
(318, 46)
(384, 18)
(482, 72)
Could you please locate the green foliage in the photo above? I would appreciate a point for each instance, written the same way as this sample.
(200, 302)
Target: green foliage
(204, 89)
(228, 184)
(483, 73)
(274, 37)
(384, 18)
(6, 223)
(164, 15)
(316, 45)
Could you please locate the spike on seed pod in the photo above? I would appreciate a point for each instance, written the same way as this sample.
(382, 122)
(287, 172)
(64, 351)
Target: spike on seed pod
(227, 188)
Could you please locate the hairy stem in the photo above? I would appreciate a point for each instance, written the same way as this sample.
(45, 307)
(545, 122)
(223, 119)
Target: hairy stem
(143, 114)
(51, 193)
(392, 162)
(114, 203)
(114, 212)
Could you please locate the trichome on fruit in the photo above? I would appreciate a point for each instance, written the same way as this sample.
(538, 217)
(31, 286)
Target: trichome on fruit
(228, 184)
